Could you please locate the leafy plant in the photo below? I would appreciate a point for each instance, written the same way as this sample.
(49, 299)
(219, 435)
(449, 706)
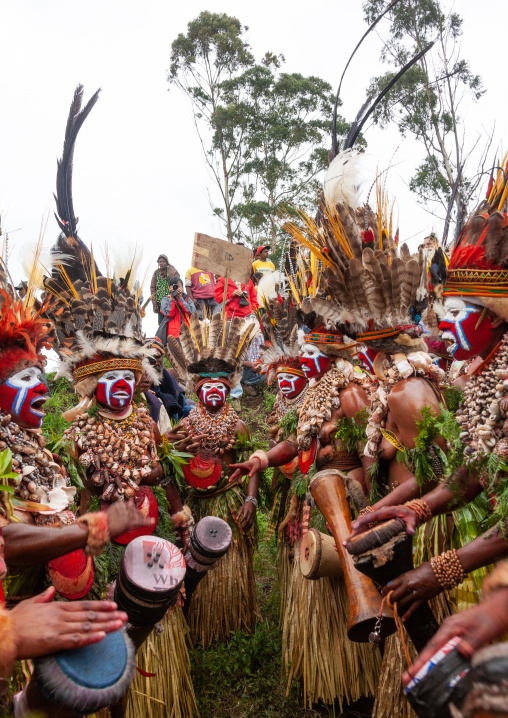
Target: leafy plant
(289, 423)
(352, 431)
(172, 461)
(453, 396)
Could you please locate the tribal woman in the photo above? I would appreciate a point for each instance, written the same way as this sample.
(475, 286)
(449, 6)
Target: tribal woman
(209, 357)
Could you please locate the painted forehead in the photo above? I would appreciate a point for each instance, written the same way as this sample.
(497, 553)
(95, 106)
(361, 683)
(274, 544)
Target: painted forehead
(454, 304)
(311, 349)
(30, 374)
(213, 384)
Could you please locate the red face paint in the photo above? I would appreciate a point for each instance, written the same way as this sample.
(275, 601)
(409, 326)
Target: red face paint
(313, 362)
(213, 394)
(459, 329)
(23, 396)
(290, 384)
(115, 389)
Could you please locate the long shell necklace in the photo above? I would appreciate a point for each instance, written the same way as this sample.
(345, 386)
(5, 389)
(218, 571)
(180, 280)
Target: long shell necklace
(320, 402)
(30, 459)
(483, 414)
(220, 428)
(415, 364)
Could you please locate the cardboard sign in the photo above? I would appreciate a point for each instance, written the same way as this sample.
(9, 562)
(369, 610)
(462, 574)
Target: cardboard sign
(219, 256)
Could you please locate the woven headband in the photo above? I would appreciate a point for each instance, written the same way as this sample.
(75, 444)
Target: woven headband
(99, 367)
(318, 338)
(290, 370)
(384, 333)
(200, 383)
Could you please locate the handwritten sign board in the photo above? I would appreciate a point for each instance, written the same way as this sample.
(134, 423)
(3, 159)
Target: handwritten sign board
(218, 256)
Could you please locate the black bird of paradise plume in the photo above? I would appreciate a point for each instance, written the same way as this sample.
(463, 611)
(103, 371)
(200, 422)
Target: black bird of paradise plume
(79, 259)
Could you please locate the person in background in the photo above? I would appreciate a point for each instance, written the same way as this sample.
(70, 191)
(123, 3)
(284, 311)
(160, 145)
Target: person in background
(164, 397)
(262, 263)
(200, 286)
(160, 284)
(251, 377)
(241, 299)
(175, 307)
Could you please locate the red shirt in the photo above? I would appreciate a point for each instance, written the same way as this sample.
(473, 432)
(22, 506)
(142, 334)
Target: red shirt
(233, 307)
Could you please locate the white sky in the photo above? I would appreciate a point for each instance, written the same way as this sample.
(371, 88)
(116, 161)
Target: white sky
(138, 171)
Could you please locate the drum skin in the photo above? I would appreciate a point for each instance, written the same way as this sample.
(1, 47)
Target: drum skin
(318, 557)
(86, 679)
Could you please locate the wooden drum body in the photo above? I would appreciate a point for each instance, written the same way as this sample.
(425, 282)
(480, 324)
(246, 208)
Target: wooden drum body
(209, 541)
(329, 492)
(318, 557)
(383, 553)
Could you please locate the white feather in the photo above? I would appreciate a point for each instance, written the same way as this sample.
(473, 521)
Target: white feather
(266, 287)
(126, 256)
(342, 184)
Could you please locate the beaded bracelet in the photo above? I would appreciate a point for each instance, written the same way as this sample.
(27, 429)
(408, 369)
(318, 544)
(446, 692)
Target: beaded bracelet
(365, 511)
(252, 499)
(421, 509)
(262, 457)
(98, 532)
(448, 569)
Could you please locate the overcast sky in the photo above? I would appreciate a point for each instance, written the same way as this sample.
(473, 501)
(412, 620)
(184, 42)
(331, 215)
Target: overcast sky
(138, 171)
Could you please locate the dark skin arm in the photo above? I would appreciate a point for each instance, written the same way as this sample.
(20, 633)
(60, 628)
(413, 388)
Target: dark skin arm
(476, 626)
(281, 454)
(28, 545)
(411, 589)
(439, 500)
(247, 512)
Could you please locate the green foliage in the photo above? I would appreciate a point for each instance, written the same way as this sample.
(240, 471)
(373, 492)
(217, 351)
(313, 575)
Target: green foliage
(427, 101)
(453, 396)
(165, 526)
(430, 427)
(289, 423)
(172, 461)
(62, 397)
(352, 431)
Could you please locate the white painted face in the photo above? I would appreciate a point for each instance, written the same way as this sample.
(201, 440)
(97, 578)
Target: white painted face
(115, 388)
(213, 393)
(313, 361)
(289, 383)
(458, 326)
(23, 395)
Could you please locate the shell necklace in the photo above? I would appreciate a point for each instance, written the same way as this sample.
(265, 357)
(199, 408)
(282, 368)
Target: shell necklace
(220, 428)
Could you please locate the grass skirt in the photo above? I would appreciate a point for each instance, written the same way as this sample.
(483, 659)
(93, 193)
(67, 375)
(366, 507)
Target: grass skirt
(169, 694)
(315, 646)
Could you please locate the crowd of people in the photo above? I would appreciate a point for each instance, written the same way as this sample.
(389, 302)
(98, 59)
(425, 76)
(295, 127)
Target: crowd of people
(387, 446)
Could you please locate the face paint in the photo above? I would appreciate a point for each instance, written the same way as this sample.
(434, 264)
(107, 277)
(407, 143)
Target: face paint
(213, 394)
(115, 389)
(22, 396)
(366, 357)
(313, 362)
(290, 384)
(459, 328)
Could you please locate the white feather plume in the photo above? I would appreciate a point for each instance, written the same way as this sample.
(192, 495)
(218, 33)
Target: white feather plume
(343, 182)
(126, 256)
(267, 286)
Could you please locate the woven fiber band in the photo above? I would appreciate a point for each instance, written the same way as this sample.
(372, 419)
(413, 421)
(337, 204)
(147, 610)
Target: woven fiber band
(318, 338)
(289, 370)
(479, 282)
(200, 383)
(102, 366)
(383, 333)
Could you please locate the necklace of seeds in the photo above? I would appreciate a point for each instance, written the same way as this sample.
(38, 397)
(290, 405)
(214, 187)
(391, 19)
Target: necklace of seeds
(484, 411)
(30, 459)
(220, 428)
(320, 402)
(284, 404)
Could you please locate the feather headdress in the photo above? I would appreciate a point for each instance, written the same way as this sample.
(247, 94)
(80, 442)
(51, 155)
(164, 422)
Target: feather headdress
(97, 321)
(214, 348)
(280, 328)
(24, 331)
(68, 243)
(372, 285)
(478, 268)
